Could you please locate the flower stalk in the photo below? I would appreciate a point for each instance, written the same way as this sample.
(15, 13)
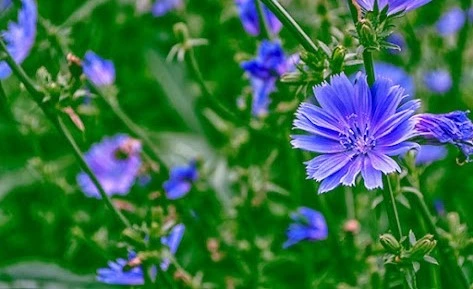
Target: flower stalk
(38, 97)
(291, 24)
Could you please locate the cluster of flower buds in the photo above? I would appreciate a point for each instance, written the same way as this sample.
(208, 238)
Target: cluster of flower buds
(419, 249)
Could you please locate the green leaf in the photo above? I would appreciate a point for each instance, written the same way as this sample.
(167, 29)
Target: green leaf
(37, 274)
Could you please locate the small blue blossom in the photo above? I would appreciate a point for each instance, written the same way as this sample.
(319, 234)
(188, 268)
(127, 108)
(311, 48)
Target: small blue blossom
(394, 6)
(19, 37)
(116, 163)
(399, 40)
(355, 129)
(454, 128)
(308, 225)
(438, 81)
(172, 241)
(264, 71)
(397, 75)
(99, 71)
(452, 21)
(180, 180)
(428, 154)
(250, 20)
(114, 274)
(162, 7)
(439, 206)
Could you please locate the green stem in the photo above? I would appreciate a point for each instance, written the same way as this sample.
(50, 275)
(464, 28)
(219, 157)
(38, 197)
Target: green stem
(391, 210)
(38, 97)
(355, 11)
(4, 104)
(264, 30)
(291, 24)
(82, 12)
(395, 227)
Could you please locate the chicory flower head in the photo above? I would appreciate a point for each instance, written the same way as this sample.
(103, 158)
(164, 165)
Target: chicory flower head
(452, 21)
(397, 75)
(116, 275)
(20, 36)
(438, 81)
(116, 163)
(99, 71)
(308, 225)
(264, 70)
(162, 7)
(394, 6)
(250, 20)
(454, 128)
(355, 129)
(180, 180)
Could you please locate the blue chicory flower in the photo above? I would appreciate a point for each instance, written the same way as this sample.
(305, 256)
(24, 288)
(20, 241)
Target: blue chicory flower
(116, 163)
(308, 225)
(115, 275)
(438, 81)
(162, 7)
(99, 71)
(264, 71)
(399, 40)
(19, 37)
(428, 154)
(439, 206)
(250, 20)
(180, 180)
(394, 6)
(397, 75)
(454, 128)
(452, 21)
(355, 129)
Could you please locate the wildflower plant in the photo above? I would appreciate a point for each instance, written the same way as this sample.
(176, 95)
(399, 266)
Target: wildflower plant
(341, 173)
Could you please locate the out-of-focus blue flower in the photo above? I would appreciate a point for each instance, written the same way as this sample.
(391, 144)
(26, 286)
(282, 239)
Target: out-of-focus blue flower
(399, 40)
(397, 75)
(264, 71)
(470, 15)
(355, 129)
(99, 71)
(4, 5)
(114, 274)
(438, 81)
(249, 17)
(19, 37)
(439, 206)
(162, 7)
(428, 154)
(394, 6)
(116, 162)
(308, 225)
(454, 128)
(180, 180)
(452, 21)
(172, 241)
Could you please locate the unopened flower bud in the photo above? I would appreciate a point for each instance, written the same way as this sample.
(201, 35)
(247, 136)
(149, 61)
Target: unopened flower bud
(352, 226)
(367, 34)
(423, 247)
(390, 243)
(133, 237)
(338, 59)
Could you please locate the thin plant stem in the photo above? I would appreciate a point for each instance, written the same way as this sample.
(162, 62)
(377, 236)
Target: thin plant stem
(264, 29)
(355, 11)
(38, 97)
(291, 25)
(391, 210)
